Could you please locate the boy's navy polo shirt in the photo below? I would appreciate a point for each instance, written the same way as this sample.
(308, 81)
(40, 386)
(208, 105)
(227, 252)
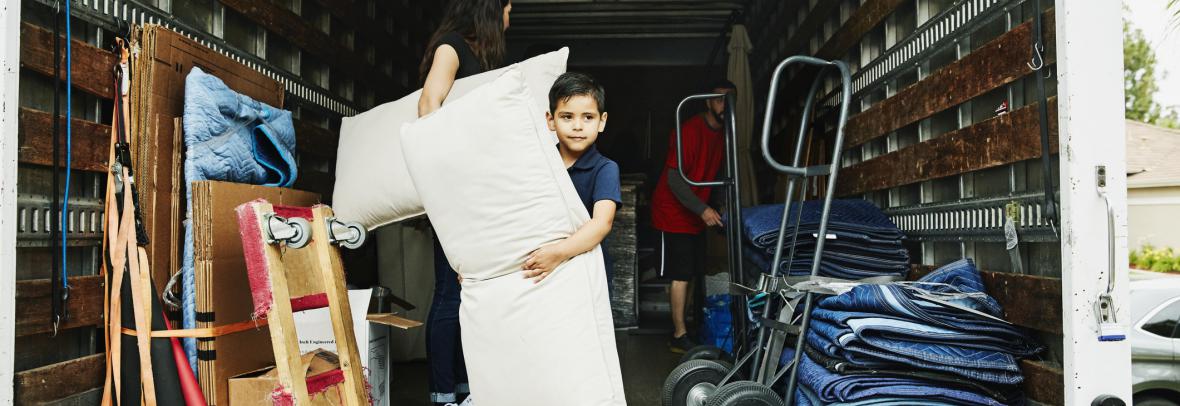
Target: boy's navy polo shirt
(596, 178)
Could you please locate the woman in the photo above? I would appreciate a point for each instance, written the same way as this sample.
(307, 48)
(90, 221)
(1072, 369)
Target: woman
(469, 41)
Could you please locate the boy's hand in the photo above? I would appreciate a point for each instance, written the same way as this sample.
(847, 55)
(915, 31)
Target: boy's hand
(543, 261)
(711, 218)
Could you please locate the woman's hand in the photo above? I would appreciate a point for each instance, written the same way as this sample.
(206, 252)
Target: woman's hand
(543, 261)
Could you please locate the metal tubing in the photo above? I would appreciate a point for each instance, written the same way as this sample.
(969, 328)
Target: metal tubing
(732, 197)
(838, 147)
(680, 146)
(758, 371)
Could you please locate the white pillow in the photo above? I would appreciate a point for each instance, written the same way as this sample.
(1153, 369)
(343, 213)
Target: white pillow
(491, 179)
(372, 185)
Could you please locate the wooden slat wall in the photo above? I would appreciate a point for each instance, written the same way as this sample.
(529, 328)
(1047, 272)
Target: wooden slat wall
(798, 42)
(91, 141)
(1029, 301)
(356, 13)
(997, 63)
(59, 381)
(91, 65)
(868, 16)
(1043, 382)
(92, 74)
(990, 143)
(315, 141)
(34, 303)
(310, 39)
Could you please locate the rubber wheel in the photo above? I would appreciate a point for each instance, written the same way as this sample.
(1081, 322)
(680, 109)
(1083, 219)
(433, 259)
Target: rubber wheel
(1151, 400)
(703, 352)
(744, 393)
(691, 380)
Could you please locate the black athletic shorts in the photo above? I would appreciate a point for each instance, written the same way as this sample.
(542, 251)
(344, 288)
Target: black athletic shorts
(682, 256)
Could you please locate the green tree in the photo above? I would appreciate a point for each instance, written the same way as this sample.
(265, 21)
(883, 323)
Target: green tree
(1139, 78)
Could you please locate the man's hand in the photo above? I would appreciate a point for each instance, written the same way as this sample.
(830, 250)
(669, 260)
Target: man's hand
(711, 218)
(544, 261)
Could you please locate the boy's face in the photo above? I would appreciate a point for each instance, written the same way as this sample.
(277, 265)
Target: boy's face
(577, 122)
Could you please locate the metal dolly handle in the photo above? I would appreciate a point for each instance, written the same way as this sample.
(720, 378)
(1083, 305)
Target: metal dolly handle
(730, 182)
(765, 369)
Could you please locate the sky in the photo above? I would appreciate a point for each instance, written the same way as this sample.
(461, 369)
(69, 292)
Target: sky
(1152, 17)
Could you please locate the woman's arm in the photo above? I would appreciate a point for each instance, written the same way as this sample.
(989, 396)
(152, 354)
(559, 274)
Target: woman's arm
(545, 259)
(439, 80)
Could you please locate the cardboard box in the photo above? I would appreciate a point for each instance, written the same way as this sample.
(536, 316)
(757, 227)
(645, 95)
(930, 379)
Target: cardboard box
(157, 99)
(223, 291)
(314, 328)
(255, 388)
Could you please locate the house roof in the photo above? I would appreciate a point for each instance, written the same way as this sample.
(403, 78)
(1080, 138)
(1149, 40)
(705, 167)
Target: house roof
(1153, 155)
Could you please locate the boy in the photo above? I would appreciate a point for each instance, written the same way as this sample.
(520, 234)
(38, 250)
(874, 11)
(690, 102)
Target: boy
(577, 112)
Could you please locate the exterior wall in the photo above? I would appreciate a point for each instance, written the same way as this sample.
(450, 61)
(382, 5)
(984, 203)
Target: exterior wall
(1154, 217)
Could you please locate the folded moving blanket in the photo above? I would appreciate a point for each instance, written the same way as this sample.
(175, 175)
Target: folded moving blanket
(849, 219)
(819, 386)
(942, 323)
(861, 241)
(228, 137)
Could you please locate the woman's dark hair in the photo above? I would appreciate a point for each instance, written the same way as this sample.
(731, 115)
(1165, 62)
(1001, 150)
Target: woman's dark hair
(480, 22)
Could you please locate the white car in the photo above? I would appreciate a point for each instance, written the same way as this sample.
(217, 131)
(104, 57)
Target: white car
(1155, 340)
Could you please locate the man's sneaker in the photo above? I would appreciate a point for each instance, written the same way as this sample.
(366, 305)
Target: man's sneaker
(681, 344)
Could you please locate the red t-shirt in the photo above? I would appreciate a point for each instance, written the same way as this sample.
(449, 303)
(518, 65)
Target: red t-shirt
(703, 150)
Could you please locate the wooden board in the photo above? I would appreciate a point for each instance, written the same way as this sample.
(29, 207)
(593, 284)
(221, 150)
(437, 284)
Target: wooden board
(59, 381)
(865, 18)
(356, 13)
(90, 65)
(315, 141)
(331, 272)
(1043, 382)
(999, 62)
(34, 305)
(798, 44)
(990, 143)
(91, 141)
(223, 290)
(294, 28)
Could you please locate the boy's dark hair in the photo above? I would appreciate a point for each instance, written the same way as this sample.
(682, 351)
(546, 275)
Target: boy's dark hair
(572, 84)
(721, 84)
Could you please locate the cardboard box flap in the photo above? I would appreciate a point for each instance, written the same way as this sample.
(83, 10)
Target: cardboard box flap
(390, 319)
(314, 363)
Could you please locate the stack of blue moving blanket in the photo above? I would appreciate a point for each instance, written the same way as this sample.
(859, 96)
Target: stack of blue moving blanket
(937, 341)
(861, 241)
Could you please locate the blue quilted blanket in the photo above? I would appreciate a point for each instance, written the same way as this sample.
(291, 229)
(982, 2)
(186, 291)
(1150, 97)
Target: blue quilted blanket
(228, 137)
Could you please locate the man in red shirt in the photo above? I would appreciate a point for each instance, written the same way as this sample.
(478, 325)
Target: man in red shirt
(681, 212)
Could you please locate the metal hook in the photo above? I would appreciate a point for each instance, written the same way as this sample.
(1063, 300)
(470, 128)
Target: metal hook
(1038, 61)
